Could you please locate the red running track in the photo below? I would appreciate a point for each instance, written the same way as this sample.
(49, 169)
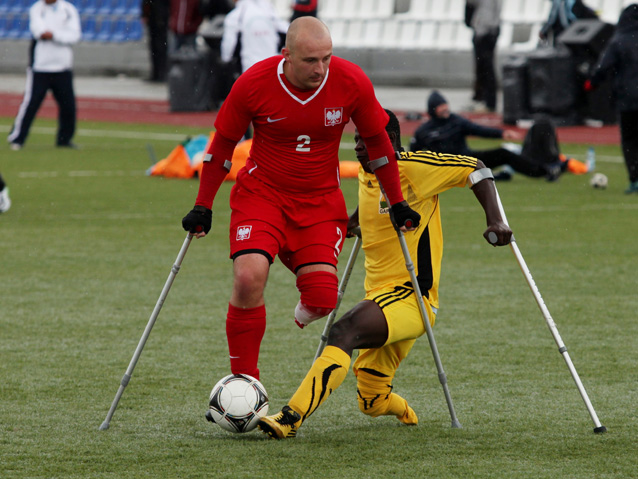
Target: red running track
(158, 112)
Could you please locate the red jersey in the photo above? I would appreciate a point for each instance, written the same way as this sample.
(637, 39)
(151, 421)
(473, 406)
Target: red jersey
(297, 133)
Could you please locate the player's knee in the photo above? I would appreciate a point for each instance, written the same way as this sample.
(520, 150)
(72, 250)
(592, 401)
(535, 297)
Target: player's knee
(248, 286)
(319, 291)
(342, 332)
(373, 393)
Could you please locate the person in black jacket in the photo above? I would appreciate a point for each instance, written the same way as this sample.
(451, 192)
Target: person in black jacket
(446, 132)
(620, 59)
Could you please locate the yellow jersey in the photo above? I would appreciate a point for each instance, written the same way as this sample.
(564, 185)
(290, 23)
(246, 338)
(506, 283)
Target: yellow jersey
(424, 175)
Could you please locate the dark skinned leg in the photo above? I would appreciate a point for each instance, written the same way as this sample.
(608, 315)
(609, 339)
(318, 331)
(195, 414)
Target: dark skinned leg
(364, 326)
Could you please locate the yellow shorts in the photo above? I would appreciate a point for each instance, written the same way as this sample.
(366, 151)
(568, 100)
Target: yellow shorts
(401, 311)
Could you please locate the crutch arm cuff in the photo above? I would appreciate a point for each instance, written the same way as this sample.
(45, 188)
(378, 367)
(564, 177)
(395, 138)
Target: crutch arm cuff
(479, 175)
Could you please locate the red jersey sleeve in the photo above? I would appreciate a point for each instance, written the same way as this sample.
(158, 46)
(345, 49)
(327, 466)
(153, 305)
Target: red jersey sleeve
(379, 146)
(370, 119)
(214, 170)
(235, 114)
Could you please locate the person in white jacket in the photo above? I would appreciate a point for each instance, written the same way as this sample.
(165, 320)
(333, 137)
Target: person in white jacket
(55, 26)
(254, 27)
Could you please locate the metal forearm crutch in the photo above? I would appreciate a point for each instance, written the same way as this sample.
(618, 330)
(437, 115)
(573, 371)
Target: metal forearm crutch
(138, 351)
(599, 428)
(426, 320)
(342, 289)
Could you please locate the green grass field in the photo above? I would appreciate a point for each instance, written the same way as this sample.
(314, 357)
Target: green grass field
(89, 242)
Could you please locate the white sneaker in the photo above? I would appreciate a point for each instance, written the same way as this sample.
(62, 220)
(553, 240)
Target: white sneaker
(16, 146)
(5, 201)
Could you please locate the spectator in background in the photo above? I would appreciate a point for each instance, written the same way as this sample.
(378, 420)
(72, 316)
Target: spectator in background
(562, 14)
(484, 17)
(55, 26)
(303, 8)
(252, 30)
(185, 19)
(5, 201)
(620, 59)
(446, 132)
(155, 14)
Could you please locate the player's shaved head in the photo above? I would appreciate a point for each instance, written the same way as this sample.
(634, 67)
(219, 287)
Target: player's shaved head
(307, 30)
(307, 52)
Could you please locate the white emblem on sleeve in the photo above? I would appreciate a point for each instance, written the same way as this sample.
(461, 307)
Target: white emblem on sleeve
(243, 232)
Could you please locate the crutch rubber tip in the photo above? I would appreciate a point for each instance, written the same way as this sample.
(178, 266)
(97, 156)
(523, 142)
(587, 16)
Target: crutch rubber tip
(104, 426)
(600, 430)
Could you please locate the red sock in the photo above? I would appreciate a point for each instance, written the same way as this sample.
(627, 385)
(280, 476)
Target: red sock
(244, 330)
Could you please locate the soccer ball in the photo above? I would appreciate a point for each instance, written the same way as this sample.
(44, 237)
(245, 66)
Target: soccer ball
(237, 402)
(599, 181)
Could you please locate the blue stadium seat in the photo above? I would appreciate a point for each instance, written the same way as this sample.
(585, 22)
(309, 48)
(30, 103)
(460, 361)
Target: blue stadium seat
(89, 28)
(104, 30)
(89, 7)
(15, 26)
(135, 31)
(119, 33)
(134, 7)
(104, 7)
(119, 7)
(25, 31)
(10, 6)
(3, 26)
(26, 5)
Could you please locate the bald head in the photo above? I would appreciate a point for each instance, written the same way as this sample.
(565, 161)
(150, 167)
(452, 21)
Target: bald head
(307, 31)
(307, 52)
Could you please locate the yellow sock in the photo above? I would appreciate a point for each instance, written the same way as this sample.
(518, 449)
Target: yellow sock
(326, 374)
(376, 399)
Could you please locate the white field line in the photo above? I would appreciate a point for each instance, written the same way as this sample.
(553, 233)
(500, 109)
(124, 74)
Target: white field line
(78, 174)
(134, 135)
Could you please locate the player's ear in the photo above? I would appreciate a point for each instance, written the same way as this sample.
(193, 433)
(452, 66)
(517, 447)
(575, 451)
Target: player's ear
(393, 137)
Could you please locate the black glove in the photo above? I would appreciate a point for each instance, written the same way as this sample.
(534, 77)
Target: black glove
(402, 215)
(198, 219)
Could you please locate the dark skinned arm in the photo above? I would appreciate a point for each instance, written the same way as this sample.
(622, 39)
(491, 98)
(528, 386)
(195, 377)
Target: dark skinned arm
(485, 193)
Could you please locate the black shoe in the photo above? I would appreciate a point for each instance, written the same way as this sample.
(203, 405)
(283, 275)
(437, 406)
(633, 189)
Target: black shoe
(503, 176)
(553, 170)
(71, 146)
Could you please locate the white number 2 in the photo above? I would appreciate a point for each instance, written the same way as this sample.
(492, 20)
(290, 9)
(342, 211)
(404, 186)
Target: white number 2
(305, 140)
(338, 243)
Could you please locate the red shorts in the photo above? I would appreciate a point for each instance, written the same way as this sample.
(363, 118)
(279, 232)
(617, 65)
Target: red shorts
(301, 230)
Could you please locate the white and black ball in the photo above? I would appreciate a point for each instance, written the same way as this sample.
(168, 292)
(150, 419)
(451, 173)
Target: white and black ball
(237, 402)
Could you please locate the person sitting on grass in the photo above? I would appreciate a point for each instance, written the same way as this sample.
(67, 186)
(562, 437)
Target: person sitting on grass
(385, 325)
(447, 132)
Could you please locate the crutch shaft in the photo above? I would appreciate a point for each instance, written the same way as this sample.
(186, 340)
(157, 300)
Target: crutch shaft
(424, 317)
(428, 329)
(147, 331)
(551, 324)
(342, 289)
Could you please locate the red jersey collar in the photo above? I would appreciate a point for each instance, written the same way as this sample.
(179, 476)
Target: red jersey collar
(287, 86)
